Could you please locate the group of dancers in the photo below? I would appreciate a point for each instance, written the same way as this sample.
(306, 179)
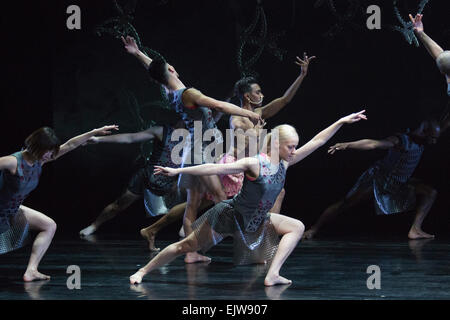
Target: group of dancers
(244, 191)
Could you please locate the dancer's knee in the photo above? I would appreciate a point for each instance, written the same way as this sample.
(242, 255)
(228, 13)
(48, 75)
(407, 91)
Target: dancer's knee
(185, 246)
(50, 226)
(299, 228)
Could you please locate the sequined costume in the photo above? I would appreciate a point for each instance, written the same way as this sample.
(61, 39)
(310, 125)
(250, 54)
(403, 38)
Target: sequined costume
(196, 149)
(390, 178)
(246, 217)
(158, 190)
(14, 190)
(231, 183)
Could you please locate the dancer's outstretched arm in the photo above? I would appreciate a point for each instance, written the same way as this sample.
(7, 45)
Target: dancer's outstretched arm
(133, 49)
(248, 165)
(195, 97)
(276, 105)
(77, 141)
(365, 144)
(136, 137)
(322, 137)
(432, 47)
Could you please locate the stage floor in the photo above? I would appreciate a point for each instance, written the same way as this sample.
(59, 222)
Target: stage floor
(320, 269)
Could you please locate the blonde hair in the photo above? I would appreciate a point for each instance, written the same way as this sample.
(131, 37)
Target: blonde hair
(283, 132)
(443, 62)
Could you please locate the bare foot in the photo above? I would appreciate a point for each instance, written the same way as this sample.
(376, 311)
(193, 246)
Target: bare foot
(137, 277)
(193, 257)
(415, 234)
(88, 231)
(150, 237)
(309, 234)
(32, 275)
(274, 280)
(275, 292)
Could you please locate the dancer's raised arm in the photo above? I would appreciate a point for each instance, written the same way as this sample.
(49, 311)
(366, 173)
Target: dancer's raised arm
(136, 137)
(276, 105)
(322, 137)
(441, 57)
(77, 141)
(195, 97)
(432, 47)
(133, 49)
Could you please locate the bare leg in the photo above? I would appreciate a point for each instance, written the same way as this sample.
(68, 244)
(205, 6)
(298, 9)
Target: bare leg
(169, 253)
(110, 211)
(291, 231)
(426, 196)
(214, 186)
(174, 214)
(277, 205)
(194, 198)
(337, 208)
(46, 228)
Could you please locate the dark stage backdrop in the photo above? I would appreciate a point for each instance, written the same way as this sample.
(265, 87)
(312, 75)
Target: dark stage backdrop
(76, 80)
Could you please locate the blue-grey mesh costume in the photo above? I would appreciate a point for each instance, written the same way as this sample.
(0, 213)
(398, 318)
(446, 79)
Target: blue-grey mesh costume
(246, 217)
(14, 189)
(390, 177)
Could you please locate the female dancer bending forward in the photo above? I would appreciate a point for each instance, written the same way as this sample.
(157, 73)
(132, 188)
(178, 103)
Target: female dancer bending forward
(246, 217)
(19, 175)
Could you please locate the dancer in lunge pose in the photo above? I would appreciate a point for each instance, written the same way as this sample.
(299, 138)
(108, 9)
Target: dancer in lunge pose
(19, 176)
(246, 217)
(389, 181)
(193, 106)
(251, 98)
(441, 57)
(144, 183)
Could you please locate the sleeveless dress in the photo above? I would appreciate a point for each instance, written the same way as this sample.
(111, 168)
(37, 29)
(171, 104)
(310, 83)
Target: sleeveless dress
(14, 190)
(202, 129)
(158, 190)
(390, 178)
(246, 217)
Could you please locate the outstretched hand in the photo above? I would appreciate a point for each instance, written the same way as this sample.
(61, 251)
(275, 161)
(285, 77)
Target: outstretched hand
(260, 124)
(255, 118)
(165, 171)
(337, 147)
(417, 22)
(130, 45)
(105, 130)
(354, 117)
(304, 64)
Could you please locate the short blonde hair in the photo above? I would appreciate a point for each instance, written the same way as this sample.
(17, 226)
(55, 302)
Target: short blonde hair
(284, 133)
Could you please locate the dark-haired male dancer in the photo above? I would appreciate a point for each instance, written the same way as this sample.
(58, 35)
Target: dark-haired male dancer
(192, 106)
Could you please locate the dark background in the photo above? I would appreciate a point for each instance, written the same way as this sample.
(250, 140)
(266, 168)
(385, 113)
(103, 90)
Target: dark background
(75, 80)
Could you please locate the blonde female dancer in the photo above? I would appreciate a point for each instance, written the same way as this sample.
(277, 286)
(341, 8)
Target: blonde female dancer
(246, 217)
